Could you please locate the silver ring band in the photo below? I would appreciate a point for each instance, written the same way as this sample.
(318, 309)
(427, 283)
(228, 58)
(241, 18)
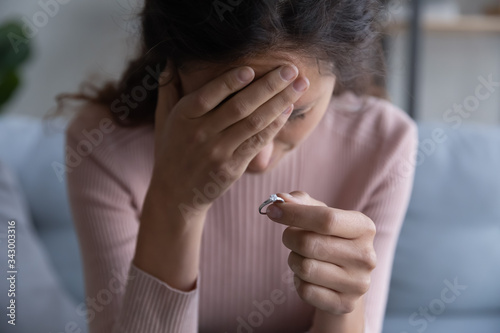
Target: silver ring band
(272, 199)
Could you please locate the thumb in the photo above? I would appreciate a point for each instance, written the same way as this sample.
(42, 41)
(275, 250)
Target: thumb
(168, 94)
(301, 198)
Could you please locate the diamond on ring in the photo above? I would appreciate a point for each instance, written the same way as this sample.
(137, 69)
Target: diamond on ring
(272, 199)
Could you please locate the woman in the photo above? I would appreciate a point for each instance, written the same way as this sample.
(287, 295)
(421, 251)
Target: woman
(255, 98)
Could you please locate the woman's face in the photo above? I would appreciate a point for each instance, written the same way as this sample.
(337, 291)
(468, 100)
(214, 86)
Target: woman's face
(308, 110)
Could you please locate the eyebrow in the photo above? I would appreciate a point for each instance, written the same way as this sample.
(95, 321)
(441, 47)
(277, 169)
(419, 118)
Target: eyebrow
(302, 108)
(295, 111)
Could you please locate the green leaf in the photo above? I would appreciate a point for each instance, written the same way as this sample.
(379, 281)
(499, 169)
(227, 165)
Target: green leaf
(14, 47)
(8, 85)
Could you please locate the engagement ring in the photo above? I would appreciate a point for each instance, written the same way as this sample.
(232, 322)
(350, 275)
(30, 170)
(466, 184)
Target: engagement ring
(272, 199)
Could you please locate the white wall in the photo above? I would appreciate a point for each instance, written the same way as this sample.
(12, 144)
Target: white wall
(97, 36)
(450, 67)
(80, 39)
(451, 63)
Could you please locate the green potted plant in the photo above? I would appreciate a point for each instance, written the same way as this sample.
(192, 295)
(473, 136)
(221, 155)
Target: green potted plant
(14, 51)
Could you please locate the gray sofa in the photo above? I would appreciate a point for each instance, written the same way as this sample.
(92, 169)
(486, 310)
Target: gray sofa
(446, 275)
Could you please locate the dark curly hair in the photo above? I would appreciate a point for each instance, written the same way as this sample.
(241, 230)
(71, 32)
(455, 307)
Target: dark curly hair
(344, 33)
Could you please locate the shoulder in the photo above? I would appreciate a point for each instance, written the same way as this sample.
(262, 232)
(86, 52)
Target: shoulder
(375, 125)
(365, 145)
(371, 121)
(93, 129)
(97, 146)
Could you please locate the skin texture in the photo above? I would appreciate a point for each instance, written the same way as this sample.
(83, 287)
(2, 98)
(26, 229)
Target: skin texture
(332, 256)
(196, 135)
(312, 105)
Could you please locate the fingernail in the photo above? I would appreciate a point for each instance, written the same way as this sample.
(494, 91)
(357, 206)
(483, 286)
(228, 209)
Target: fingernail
(301, 84)
(288, 110)
(274, 212)
(288, 73)
(245, 74)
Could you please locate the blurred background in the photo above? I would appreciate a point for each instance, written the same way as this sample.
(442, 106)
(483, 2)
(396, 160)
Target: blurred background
(70, 41)
(459, 41)
(443, 69)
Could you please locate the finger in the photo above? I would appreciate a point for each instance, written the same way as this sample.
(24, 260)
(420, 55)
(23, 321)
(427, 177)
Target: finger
(254, 96)
(168, 96)
(300, 197)
(325, 299)
(322, 220)
(266, 114)
(328, 275)
(213, 93)
(168, 82)
(253, 145)
(339, 251)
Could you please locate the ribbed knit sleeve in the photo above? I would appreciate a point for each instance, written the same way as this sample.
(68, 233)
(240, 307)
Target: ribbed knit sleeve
(387, 206)
(360, 157)
(150, 305)
(369, 169)
(119, 296)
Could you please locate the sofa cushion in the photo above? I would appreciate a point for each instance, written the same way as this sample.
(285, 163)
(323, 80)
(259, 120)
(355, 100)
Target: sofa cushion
(31, 148)
(41, 304)
(448, 254)
(464, 323)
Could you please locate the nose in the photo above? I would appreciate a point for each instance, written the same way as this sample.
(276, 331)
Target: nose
(262, 160)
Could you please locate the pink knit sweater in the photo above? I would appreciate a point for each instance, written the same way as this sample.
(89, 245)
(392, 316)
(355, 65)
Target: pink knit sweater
(358, 158)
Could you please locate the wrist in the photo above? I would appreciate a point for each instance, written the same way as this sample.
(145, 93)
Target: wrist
(325, 322)
(168, 245)
(163, 209)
